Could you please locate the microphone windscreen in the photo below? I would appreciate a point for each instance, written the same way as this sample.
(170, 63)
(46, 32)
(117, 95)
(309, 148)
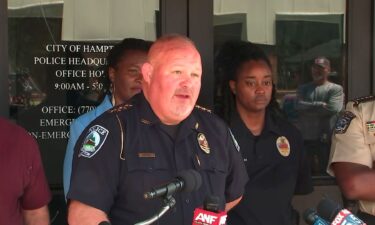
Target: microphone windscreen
(211, 203)
(192, 180)
(328, 209)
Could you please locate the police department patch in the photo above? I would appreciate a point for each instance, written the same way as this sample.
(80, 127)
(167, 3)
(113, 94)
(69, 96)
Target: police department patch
(343, 122)
(93, 141)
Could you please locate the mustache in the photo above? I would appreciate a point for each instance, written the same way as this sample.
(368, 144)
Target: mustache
(184, 91)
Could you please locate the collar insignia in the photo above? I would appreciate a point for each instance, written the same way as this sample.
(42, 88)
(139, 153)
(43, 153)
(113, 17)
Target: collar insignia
(203, 108)
(359, 100)
(120, 108)
(145, 121)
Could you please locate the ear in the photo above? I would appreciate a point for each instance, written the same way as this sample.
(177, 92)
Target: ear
(111, 74)
(232, 86)
(147, 70)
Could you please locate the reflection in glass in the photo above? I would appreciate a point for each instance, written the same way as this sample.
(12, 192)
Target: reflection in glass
(85, 20)
(293, 34)
(57, 66)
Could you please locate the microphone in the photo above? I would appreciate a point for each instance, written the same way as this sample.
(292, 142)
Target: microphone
(311, 218)
(210, 214)
(187, 181)
(333, 212)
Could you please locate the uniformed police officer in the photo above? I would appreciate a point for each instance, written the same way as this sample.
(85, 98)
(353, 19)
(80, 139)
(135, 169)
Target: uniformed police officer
(353, 155)
(135, 147)
(271, 147)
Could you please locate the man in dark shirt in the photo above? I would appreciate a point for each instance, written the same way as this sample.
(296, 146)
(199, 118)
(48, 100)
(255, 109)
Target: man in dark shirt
(135, 147)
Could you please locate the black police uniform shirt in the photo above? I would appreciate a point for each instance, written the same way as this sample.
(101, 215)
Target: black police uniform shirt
(277, 169)
(125, 152)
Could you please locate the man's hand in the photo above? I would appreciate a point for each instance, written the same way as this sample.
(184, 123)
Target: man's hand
(82, 214)
(356, 181)
(230, 205)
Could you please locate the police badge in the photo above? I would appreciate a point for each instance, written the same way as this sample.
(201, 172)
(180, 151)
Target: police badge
(283, 146)
(203, 144)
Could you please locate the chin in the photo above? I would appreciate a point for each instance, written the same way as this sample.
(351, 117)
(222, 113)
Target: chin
(182, 114)
(259, 108)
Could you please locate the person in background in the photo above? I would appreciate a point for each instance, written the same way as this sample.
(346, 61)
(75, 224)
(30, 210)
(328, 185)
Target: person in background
(24, 192)
(271, 147)
(124, 72)
(318, 105)
(352, 158)
(135, 147)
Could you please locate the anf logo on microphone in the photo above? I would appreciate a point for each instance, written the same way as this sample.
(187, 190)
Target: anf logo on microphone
(203, 217)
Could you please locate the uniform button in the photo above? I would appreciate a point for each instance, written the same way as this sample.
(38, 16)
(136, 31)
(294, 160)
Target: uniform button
(187, 201)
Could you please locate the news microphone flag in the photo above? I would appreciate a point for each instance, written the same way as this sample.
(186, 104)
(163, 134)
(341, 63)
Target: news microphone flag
(345, 217)
(204, 217)
(210, 214)
(335, 214)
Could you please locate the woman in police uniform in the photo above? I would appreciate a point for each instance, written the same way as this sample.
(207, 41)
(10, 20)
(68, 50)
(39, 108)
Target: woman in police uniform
(272, 148)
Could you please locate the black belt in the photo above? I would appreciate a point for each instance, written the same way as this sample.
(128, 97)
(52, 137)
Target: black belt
(367, 218)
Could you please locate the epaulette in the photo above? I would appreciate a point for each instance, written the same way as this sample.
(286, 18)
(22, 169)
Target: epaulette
(120, 108)
(359, 100)
(203, 108)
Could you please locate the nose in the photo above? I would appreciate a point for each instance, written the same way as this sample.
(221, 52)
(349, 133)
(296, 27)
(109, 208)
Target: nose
(139, 76)
(259, 89)
(186, 83)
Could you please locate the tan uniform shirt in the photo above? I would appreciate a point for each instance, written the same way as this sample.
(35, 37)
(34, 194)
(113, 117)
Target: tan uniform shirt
(357, 143)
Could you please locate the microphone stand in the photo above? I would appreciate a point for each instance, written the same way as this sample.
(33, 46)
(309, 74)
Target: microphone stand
(169, 202)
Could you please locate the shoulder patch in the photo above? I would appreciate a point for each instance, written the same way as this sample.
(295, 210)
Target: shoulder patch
(359, 100)
(94, 141)
(343, 122)
(120, 108)
(203, 108)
